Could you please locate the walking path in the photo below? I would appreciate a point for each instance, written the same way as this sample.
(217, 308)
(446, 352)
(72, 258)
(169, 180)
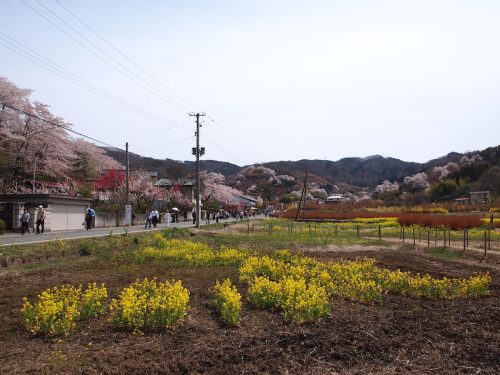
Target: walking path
(18, 239)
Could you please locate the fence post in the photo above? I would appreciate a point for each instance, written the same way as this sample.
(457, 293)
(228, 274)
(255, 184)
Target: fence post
(379, 232)
(489, 239)
(444, 233)
(413, 228)
(403, 233)
(449, 236)
(464, 239)
(357, 230)
(428, 237)
(484, 255)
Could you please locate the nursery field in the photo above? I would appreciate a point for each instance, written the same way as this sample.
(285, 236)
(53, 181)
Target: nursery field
(330, 304)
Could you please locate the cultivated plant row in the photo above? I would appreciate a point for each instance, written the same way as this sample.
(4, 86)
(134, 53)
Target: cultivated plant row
(301, 288)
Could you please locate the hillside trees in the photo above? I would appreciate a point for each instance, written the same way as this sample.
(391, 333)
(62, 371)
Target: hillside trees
(444, 189)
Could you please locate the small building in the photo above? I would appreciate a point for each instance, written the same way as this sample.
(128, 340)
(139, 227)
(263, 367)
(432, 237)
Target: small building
(462, 201)
(336, 198)
(153, 176)
(245, 201)
(477, 197)
(61, 212)
(185, 185)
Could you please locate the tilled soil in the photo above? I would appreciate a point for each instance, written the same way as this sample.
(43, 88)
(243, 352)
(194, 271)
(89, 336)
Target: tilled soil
(401, 335)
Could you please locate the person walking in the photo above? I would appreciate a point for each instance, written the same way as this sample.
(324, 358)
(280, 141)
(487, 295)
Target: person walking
(147, 219)
(154, 217)
(194, 216)
(185, 215)
(89, 216)
(25, 219)
(40, 220)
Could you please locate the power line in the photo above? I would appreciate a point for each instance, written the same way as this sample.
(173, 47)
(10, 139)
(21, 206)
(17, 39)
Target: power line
(125, 56)
(233, 140)
(166, 144)
(224, 150)
(139, 81)
(164, 97)
(224, 133)
(38, 59)
(20, 111)
(154, 135)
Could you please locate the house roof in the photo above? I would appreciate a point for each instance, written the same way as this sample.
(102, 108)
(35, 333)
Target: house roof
(248, 198)
(172, 182)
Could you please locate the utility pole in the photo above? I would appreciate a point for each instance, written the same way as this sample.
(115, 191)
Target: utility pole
(305, 199)
(302, 195)
(197, 151)
(34, 173)
(128, 207)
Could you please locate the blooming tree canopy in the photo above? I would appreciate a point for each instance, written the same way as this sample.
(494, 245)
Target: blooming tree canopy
(417, 181)
(30, 145)
(213, 187)
(444, 171)
(387, 187)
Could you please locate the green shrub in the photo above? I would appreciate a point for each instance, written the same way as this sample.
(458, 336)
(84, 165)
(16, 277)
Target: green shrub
(87, 248)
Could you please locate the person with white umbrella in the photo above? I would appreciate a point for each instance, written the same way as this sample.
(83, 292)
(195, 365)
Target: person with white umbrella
(176, 215)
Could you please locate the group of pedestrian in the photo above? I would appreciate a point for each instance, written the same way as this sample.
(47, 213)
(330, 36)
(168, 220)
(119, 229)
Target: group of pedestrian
(151, 217)
(40, 221)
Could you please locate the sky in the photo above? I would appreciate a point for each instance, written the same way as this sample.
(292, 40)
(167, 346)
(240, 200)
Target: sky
(277, 79)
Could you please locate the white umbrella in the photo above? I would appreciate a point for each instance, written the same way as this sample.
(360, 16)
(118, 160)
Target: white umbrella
(175, 209)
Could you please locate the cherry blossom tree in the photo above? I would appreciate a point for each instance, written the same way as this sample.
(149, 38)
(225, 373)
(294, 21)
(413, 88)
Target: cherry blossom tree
(282, 180)
(387, 187)
(214, 188)
(29, 145)
(443, 172)
(417, 182)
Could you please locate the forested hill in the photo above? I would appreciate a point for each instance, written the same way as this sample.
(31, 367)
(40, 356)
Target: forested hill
(368, 171)
(173, 168)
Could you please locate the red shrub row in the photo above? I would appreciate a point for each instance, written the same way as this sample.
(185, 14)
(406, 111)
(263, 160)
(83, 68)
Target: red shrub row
(335, 215)
(454, 222)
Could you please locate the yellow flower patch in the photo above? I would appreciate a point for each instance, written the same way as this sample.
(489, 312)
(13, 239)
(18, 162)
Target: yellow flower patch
(227, 301)
(147, 304)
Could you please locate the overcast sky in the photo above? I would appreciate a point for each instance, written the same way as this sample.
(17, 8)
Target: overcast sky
(278, 79)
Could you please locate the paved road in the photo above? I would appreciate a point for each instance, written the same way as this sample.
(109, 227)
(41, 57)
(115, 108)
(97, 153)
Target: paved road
(18, 239)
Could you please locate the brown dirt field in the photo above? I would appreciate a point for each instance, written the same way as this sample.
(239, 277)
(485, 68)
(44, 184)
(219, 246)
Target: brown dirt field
(401, 335)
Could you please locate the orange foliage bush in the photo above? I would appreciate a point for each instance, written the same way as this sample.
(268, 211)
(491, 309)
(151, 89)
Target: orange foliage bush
(454, 222)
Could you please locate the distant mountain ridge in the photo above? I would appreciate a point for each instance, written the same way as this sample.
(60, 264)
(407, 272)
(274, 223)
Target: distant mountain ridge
(368, 171)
